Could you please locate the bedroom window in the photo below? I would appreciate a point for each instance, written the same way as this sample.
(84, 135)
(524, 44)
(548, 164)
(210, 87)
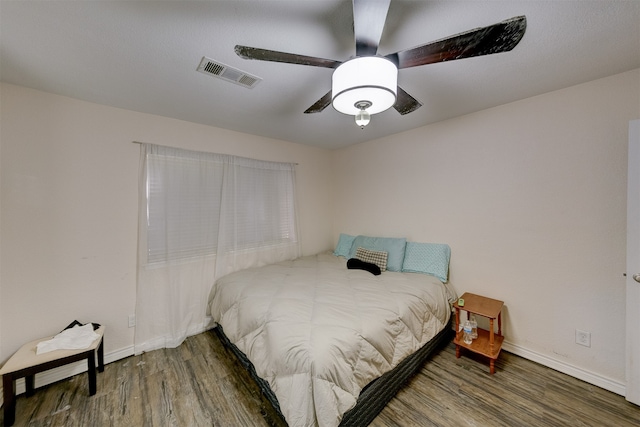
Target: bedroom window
(199, 204)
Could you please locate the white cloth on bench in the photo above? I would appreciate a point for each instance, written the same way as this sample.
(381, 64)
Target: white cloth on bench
(76, 338)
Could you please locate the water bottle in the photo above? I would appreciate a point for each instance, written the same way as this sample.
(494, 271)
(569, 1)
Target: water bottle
(474, 327)
(466, 333)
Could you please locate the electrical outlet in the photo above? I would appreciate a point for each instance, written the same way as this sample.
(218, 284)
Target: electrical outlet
(583, 338)
(132, 320)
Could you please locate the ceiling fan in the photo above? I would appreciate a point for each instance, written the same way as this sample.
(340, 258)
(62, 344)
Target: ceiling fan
(367, 83)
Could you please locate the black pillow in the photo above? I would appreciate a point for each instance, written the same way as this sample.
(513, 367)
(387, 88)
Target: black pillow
(356, 264)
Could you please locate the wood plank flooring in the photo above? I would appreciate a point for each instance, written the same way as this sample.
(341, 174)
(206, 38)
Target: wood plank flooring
(201, 384)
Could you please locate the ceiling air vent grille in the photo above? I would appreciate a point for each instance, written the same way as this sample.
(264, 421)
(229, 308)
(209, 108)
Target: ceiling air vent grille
(225, 72)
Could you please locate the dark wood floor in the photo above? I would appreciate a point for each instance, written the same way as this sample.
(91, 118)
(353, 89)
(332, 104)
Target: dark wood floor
(200, 384)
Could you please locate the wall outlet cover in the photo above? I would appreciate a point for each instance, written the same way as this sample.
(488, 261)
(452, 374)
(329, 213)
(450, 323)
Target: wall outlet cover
(583, 338)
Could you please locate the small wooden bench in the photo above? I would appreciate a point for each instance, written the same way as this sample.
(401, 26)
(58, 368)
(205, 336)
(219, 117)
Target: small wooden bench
(25, 363)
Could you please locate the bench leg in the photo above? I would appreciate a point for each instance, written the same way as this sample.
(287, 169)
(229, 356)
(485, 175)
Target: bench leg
(9, 397)
(29, 385)
(91, 367)
(101, 356)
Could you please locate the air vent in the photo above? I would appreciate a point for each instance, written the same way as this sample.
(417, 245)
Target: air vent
(225, 72)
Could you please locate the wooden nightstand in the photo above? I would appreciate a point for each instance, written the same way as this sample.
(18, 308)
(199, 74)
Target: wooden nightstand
(488, 342)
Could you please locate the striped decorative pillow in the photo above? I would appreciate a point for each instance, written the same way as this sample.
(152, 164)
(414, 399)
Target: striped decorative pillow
(378, 258)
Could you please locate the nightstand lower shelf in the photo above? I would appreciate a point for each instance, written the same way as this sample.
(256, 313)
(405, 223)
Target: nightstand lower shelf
(481, 345)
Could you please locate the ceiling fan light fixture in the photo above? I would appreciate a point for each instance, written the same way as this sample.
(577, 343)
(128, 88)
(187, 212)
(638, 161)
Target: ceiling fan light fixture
(363, 117)
(370, 79)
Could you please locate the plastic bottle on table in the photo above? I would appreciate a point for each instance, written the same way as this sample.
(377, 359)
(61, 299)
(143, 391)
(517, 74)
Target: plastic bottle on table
(474, 327)
(466, 333)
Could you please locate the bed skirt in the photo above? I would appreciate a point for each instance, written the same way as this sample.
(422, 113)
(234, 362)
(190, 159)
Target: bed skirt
(375, 396)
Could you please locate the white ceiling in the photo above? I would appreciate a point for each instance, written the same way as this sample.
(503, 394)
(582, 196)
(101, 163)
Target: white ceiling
(143, 55)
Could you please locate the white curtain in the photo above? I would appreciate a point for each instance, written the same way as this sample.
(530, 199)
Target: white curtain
(201, 216)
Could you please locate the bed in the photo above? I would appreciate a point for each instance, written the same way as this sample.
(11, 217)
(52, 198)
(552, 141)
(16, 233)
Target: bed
(330, 345)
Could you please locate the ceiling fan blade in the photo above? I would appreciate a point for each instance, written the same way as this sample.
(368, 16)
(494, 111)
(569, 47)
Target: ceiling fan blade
(405, 103)
(320, 105)
(368, 22)
(247, 52)
(500, 37)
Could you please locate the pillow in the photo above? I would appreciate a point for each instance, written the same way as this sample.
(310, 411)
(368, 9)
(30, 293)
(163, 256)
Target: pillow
(355, 263)
(429, 258)
(375, 257)
(394, 247)
(344, 245)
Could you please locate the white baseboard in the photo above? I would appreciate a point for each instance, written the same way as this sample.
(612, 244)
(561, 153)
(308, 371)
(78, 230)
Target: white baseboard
(67, 371)
(560, 366)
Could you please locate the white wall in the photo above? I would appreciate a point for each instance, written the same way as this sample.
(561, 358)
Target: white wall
(531, 196)
(69, 174)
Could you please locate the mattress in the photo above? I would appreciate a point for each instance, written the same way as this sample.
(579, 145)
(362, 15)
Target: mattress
(318, 333)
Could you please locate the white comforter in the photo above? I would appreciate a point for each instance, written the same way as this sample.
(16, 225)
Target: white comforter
(318, 332)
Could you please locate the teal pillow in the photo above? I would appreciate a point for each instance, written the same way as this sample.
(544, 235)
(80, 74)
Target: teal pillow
(344, 245)
(394, 247)
(429, 258)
